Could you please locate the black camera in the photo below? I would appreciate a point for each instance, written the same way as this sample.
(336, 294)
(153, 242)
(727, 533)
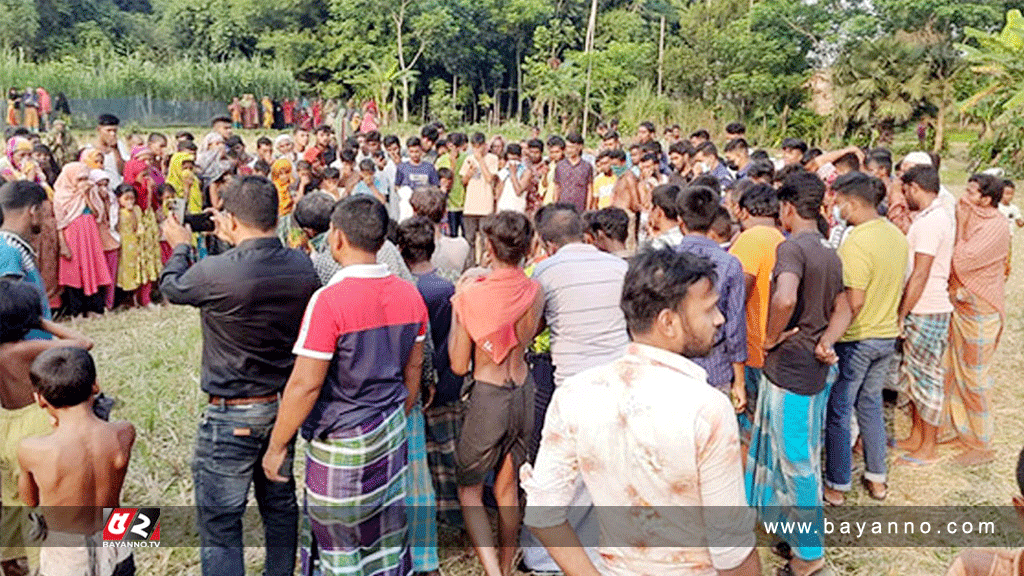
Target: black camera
(202, 222)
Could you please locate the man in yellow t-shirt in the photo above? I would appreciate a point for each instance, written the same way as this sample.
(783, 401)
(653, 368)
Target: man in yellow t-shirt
(604, 181)
(874, 258)
(755, 249)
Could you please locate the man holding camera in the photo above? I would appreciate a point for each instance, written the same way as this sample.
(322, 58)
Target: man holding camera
(251, 300)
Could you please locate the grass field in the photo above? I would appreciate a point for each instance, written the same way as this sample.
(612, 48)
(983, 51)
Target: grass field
(149, 360)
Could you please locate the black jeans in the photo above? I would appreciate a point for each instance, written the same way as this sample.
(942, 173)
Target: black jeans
(543, 372)
(230, 445)
(455, 223)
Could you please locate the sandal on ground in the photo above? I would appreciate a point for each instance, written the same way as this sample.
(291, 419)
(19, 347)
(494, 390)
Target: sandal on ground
(871, 490)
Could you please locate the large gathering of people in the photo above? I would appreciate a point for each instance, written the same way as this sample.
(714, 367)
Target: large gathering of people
(455, 323)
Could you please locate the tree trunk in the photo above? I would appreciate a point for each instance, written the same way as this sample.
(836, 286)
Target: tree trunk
(405, 100)
(591, 25)
(940, 122)
(519, 80)
(661, 55)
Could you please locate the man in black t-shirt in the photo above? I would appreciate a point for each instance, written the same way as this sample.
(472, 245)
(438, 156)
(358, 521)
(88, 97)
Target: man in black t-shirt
(808, 313)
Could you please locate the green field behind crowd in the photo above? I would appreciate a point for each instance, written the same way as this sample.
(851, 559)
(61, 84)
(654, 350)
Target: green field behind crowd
(149, 360)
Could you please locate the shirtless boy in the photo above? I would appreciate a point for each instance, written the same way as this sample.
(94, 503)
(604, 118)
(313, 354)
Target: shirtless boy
(78, 469)
(20, 312)
(496, 315)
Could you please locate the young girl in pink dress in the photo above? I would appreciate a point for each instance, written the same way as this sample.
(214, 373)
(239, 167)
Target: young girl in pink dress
(83, 270)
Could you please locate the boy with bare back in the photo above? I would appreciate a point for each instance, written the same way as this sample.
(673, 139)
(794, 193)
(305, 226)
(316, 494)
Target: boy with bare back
(21, 312)
(77, 470)
(497, 313)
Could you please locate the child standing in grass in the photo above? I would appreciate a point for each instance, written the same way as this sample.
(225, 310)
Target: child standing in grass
(76, 470)
(20, 417)
(134, 270)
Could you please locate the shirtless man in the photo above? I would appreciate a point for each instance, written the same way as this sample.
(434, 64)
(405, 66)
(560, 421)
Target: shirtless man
(496, 315)
(21, 312)
(77, 470)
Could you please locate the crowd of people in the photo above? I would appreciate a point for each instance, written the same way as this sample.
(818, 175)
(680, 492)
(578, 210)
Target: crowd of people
(464, 322)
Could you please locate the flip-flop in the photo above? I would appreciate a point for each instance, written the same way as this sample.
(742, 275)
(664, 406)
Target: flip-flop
(907, 459)
(871, 491)
(832, 503)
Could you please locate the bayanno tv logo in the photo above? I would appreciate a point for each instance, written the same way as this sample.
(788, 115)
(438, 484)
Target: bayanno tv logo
(131, 527)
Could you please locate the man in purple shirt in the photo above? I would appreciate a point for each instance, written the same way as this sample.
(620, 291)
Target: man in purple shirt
(697, 206)
(573, 177)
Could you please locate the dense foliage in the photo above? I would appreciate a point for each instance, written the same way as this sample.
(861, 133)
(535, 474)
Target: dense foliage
(890, 62)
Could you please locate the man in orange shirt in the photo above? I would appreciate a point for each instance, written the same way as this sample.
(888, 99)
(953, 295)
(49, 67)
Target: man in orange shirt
(755, 248)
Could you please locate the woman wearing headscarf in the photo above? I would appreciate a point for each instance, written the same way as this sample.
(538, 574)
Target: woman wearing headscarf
(106, 222)
(83, 269)
(17, 164)
(145, 178)
(369, 123)
(92, 158)
(62, 144)
(268, 113)
(282, 176)
(185, 182)
(43, 158)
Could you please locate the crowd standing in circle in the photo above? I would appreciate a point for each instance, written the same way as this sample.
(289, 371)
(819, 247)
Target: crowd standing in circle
(454, 318)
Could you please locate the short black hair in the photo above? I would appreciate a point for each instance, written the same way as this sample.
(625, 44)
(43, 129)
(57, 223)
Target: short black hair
(21, 309)
(477, 138)
(859, 185)
(514, 149)
(429, 202)
(682, 147)
(795, 144)
(736, 128)
(650, 157)
(696, 206)
(331, 173)
(657, 280)
(21, 194)
(261, 167)
(882, 157)
(1009, 184)
(457, 139)
(761, 169)
(313, 211)
(184, 135)
(613, 221)
(154, 136)
(64, 377)
(187, 145)
(220, 120)
(805, 191)
(234, 140)
(347, 156)
(648, 125)
(363, 220)
(708, 181)
(760, 200)
(264, 141)
(429, 132)
(391, 140)
(610, 135)
(556, 142)
(367, 165)
(736, 144)
(665, 197)
(926, 177)
(253, 200)
(416, 239)
(108, 120)
(722, 224)
(849, 161)
(124, 188)
(324, 128)
(559, 223)
(991, 187)
(760, 154)
(701, 133)
(510, 233)
(372, 136)
(708, 148)
(574, 137)
(444, 173)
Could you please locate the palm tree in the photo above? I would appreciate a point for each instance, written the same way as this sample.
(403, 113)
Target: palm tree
(998, 59)
(880, 84)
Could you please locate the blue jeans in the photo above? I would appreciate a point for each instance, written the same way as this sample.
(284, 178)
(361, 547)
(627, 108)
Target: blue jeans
(863, 369)
(230, 445)
(454, 223)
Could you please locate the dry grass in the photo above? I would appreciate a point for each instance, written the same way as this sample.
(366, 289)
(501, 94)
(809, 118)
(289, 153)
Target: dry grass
(149, 360)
